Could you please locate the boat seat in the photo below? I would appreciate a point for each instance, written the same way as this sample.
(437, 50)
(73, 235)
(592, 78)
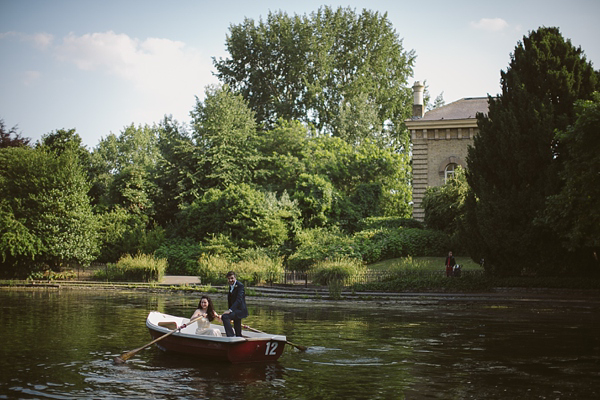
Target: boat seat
(168, 324)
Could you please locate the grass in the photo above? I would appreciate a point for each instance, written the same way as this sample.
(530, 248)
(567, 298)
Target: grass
(412, 280)
(424, 263)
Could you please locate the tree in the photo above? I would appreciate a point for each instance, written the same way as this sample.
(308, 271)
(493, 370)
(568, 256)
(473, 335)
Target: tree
(7, 141)
(314, 195)
(347, 167)
(574, 213)
(315, 68)
(249, 217)
(224, 132)
(169, 175)
(46, 220)
(438, 102)
(283, 150)
(122, 168)
(62, 140)
(514, 163)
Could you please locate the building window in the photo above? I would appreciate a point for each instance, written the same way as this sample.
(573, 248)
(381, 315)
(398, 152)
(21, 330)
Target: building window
(449, 172)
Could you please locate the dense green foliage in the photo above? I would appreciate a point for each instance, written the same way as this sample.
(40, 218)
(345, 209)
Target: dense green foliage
(444, 208)
(340, 71)
(515, 163)
(574, 212)
(46, 220)
(443, 205)
(315, 245)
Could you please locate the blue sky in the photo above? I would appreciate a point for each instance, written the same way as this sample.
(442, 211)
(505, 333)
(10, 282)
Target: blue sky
(98, 66)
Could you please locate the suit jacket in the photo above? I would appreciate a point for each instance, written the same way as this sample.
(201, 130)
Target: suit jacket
(236, 300)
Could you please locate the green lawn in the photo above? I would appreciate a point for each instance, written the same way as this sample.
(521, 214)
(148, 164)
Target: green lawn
(424, 263)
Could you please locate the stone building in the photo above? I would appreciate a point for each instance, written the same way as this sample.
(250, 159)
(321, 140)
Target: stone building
(440, 138)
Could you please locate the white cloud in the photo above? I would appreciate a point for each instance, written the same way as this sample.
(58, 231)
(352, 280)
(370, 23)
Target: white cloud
(41, 40)
(152, 65)
(490, 24)
(167, 73)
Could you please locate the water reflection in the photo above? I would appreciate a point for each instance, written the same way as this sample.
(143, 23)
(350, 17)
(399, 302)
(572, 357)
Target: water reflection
(61, 343)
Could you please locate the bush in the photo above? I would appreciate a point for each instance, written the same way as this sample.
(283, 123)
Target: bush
(374, 223)
(141, 268)
(213, 268)
(254, 267)
(336, 273)
(320, 244)
(261, 265)
(182, 256)
(384, 244)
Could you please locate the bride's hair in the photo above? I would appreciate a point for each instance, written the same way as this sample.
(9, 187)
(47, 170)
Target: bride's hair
(210, 310)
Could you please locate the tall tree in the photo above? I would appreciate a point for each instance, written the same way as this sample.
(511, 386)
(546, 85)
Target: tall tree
(62, 140)
(169, 175)
(45, 216)
(225, 141)
(122, 167)
(314, 68)
(515, 161)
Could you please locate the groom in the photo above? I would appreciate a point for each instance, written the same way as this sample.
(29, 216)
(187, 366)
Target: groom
(236, 301)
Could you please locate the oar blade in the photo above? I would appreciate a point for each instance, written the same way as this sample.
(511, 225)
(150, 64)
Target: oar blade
(124, 357)
(299, 347)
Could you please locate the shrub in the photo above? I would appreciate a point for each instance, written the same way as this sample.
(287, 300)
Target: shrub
(320, 244)
(384, 244)
(182, 256)
(336, 273)
(141, 268)
(212, 268)
(254, 267)
(374, 223)
(259, 263)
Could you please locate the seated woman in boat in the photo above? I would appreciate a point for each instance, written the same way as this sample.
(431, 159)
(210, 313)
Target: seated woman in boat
(207, 313)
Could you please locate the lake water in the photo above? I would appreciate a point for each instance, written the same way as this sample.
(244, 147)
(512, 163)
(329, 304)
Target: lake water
(60, 344)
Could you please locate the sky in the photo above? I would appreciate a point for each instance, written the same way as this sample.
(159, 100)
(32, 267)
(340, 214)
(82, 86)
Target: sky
(100, 66)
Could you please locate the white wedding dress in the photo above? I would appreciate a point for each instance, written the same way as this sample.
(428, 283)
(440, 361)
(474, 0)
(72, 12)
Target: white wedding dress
(205, 329)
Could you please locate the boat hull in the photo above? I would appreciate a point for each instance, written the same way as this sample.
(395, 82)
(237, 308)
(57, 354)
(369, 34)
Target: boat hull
(253, 347)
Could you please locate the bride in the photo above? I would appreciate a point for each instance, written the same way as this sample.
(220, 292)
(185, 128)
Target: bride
(207, 313)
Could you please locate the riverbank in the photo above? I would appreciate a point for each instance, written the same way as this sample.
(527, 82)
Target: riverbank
(310, 294)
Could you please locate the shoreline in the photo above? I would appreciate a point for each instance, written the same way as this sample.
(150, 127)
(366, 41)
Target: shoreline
(301, 295)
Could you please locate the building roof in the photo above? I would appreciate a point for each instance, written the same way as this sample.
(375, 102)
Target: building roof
(461, 109)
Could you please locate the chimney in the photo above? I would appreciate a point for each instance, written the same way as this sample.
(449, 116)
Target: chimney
(418, 107)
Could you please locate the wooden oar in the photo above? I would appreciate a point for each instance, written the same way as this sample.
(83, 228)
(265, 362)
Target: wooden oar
(126, 356)
(301, 348)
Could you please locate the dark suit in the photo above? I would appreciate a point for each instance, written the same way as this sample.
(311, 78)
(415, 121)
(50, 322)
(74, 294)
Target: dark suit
(236, 300)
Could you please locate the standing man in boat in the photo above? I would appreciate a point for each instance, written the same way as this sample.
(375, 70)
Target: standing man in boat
(236, 300)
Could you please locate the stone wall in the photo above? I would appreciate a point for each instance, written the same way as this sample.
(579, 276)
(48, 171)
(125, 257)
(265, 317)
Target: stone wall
(433, 150)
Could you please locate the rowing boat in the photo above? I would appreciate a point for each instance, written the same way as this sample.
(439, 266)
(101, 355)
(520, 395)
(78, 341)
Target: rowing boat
(252, 347)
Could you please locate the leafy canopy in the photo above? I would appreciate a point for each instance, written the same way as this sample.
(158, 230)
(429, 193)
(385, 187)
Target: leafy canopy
(329, 69)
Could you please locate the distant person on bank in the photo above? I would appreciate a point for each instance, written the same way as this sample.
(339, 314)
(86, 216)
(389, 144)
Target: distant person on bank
(236, 300)
(450, 263)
